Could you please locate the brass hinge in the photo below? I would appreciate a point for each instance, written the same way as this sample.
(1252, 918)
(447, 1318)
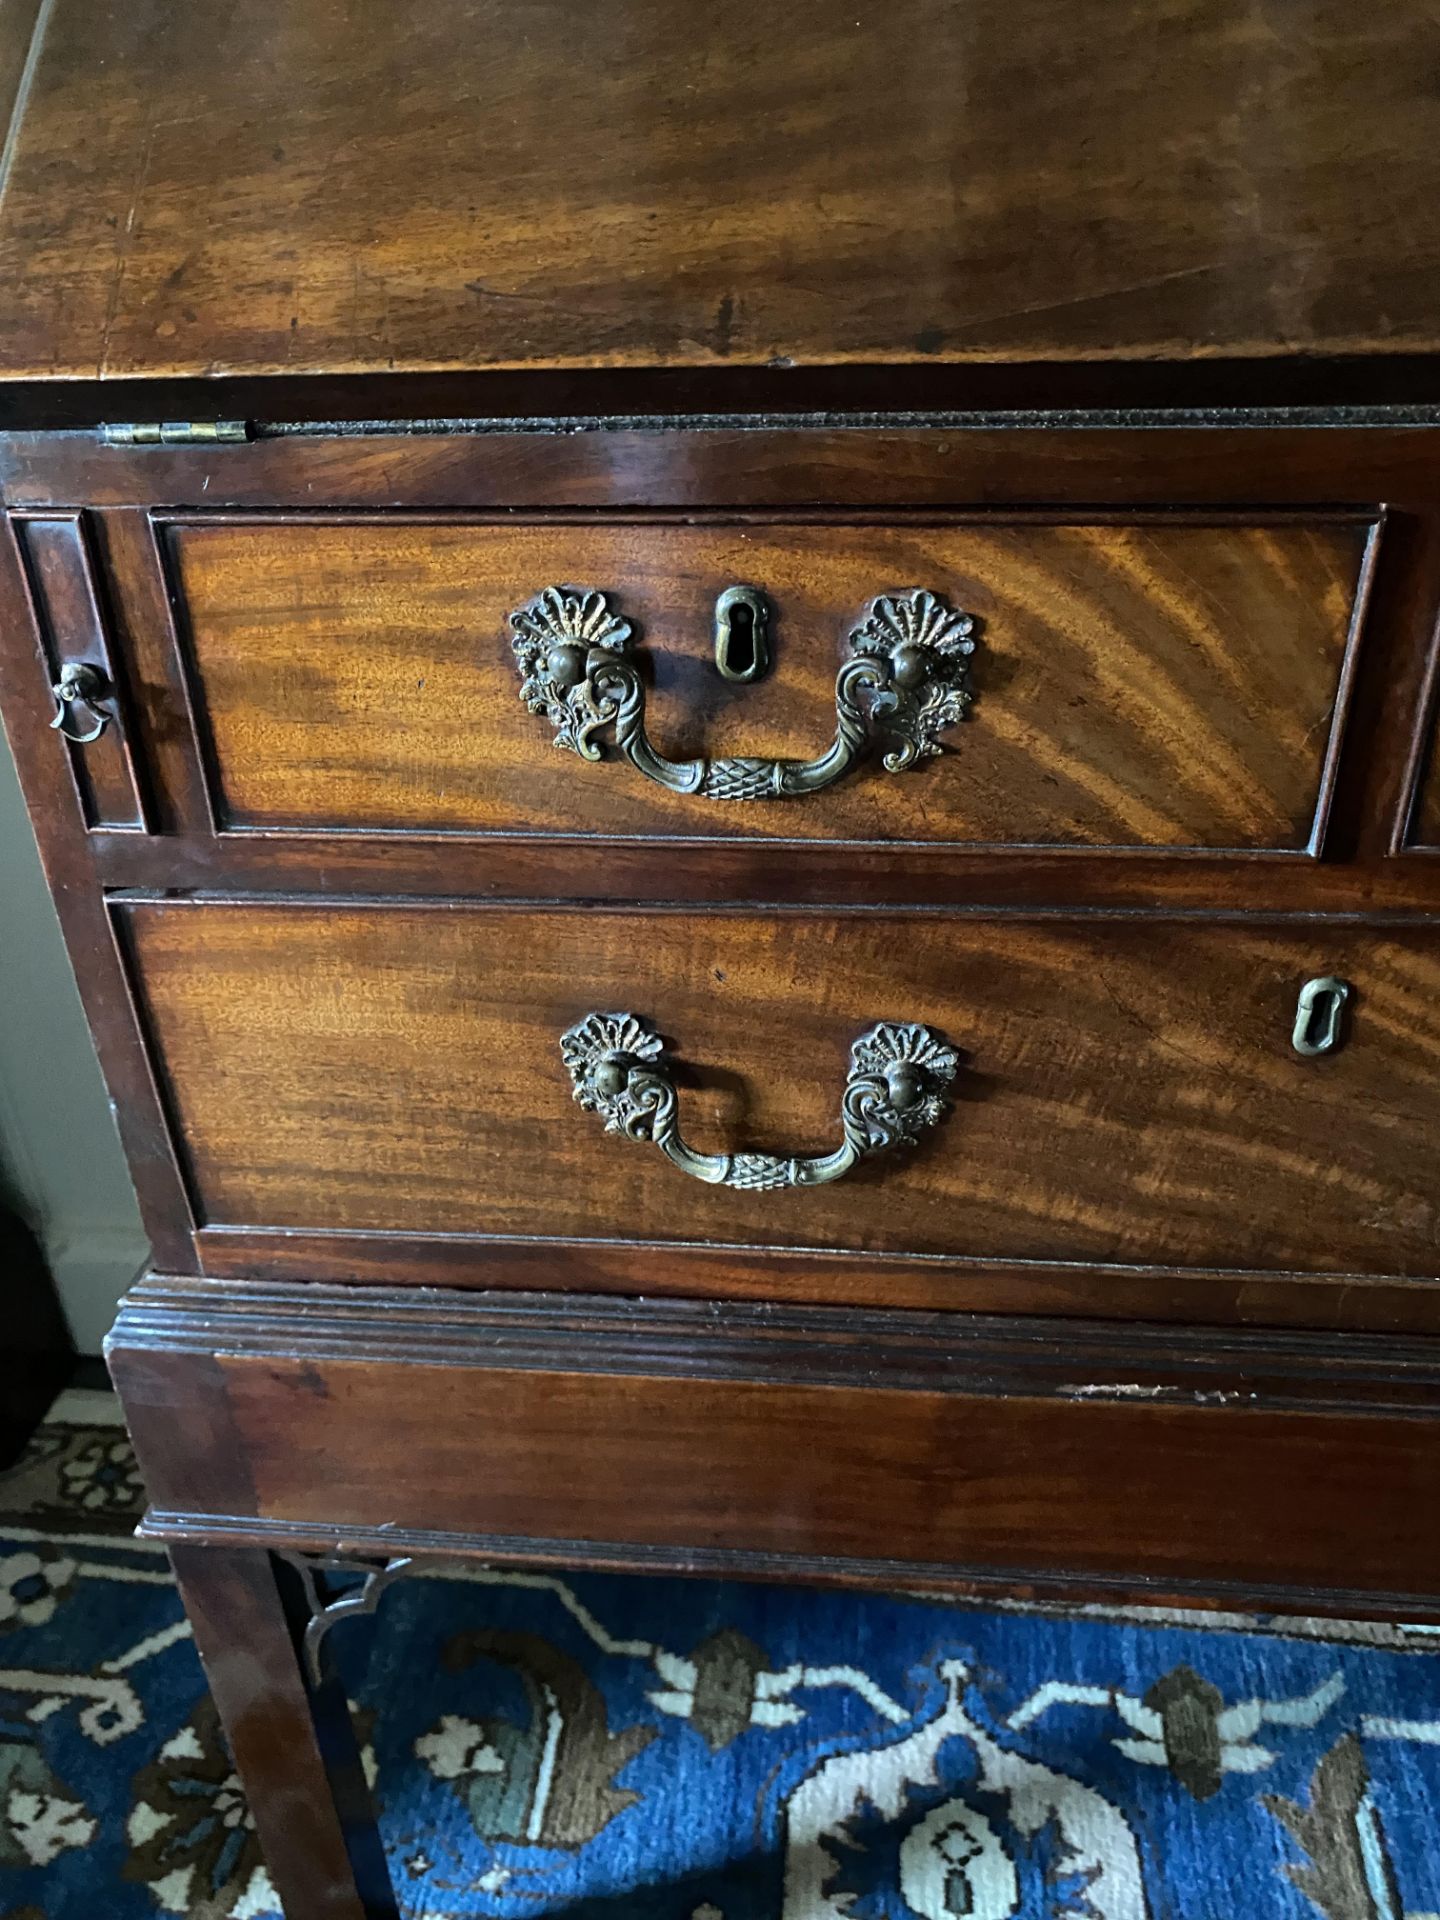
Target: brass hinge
(175, 433)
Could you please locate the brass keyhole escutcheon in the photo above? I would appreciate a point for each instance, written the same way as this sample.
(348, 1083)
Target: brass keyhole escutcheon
(742, 634)
(1319, 1015)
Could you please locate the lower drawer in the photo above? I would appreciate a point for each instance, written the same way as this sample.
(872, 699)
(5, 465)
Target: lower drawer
(1124, 1089)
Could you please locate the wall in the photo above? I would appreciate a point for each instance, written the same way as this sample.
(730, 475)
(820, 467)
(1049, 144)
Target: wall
(60, 1162)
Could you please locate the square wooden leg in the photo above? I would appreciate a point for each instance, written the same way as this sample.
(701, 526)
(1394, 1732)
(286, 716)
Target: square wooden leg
(292, 1739)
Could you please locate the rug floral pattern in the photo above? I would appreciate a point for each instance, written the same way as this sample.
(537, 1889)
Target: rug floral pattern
(618, 1749)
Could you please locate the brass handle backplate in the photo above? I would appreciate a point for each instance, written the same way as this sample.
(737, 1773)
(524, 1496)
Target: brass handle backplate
(82, 692)
(894, 1092)
(907, 677)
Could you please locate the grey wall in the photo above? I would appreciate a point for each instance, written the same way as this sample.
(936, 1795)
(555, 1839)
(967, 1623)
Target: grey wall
(60, 1162)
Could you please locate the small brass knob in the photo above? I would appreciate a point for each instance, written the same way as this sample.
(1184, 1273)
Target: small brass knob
(904, 1084)
(611, 1077)
(910, 666)
(566, 665)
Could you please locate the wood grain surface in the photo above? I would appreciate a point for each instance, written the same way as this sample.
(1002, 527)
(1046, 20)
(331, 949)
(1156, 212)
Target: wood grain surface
(293, 1742)
(1129, 1091)
(861, 1447)
(1155, 684)
(1424, 824)
(300, 185)
(19, 51)
(59, 560)
(311, 210)
(66, 848)
(1160, 1296)
(871, 463)
(1017, 1485)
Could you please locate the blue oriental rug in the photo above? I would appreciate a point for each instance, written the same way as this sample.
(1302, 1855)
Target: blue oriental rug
(626, 1749)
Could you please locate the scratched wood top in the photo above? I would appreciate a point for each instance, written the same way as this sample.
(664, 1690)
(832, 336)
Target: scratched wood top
(309, 186)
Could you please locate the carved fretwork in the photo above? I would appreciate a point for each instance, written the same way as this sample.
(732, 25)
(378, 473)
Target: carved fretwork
(328, 1603)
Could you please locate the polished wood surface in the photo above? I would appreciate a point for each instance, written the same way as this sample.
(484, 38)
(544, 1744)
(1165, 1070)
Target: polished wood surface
(623, 276)
(59, 560)
(487, 183)
(66, 847)
(1423, 830)
(1129, 1093)
(761, 1442)
(1085, 1292)
(293, 1742)
(18, 50)
(1302, 461)
(1135, 685)
(901, 465)
(897, 465)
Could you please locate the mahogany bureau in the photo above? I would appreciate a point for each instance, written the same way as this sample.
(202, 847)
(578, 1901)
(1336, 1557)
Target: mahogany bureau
(736, 739)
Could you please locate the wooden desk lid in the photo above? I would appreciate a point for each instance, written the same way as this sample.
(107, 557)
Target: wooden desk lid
(315, 187)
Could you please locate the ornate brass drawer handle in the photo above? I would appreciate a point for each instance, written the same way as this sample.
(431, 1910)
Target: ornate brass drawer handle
(895, 1090)
(908, 676)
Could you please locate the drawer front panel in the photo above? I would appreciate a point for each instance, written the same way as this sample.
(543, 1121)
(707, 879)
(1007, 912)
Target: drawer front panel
(1128, 1090)
(879, 1448)
(1164, 684)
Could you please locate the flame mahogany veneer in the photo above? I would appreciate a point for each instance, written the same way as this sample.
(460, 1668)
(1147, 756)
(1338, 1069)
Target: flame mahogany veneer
(1154, 1308)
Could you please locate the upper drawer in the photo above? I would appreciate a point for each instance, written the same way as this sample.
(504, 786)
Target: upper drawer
(1158, 683)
